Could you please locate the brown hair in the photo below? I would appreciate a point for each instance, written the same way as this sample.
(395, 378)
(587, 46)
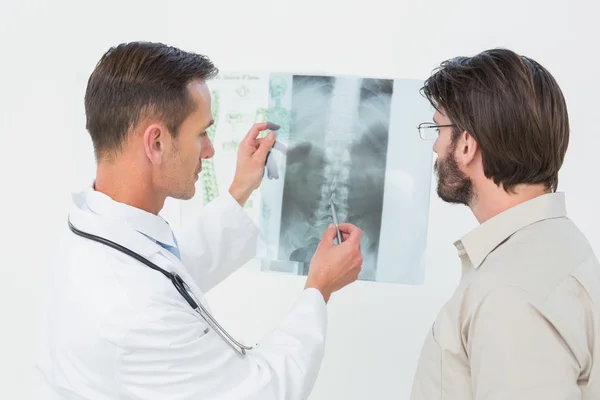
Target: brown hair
(513, 108)
(138, 80)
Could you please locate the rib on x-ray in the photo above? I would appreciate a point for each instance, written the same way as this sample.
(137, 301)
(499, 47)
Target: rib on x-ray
(340, 148)
(337, 151)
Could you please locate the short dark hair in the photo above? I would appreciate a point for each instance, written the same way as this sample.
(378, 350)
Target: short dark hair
(138, 80)
(513, 108)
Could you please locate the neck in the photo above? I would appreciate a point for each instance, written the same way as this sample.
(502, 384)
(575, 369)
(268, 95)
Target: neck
(124, 183)
(494, 200)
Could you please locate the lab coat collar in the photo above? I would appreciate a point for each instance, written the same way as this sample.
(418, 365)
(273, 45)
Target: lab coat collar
(481, 241)
(95, 213)
(151, 225)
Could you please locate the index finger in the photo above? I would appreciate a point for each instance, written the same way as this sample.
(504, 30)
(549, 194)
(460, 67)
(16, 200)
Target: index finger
(347, 227)
(350, 231)
(257, 129)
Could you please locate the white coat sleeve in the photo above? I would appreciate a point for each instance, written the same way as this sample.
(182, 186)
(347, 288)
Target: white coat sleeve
(218, 242)
(165, 355)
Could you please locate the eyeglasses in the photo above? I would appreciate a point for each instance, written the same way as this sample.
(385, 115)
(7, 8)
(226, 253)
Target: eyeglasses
(430, 131)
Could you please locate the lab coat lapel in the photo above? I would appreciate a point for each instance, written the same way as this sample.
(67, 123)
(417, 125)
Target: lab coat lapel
(122, 234)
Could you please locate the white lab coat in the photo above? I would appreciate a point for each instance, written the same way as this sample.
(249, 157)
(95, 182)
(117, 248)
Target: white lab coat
(116, 329)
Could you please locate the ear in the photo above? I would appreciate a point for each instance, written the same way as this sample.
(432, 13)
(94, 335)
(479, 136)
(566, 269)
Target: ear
(155, 137)
(467, 148)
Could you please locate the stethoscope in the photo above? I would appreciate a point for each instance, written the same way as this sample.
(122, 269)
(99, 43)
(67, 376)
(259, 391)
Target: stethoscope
(179, 284)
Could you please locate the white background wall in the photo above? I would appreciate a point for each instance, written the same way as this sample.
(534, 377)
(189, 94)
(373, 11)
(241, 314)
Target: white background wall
(376, 330)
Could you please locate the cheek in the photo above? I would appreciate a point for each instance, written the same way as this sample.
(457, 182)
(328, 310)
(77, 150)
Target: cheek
(443, 154)
(441, 146)
(195, 148)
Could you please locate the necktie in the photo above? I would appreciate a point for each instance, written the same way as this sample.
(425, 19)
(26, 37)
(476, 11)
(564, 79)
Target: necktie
(173, 249)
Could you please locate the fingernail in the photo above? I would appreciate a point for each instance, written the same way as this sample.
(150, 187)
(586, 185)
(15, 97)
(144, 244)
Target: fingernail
(272, 126)
(270, 135)
(331, 226)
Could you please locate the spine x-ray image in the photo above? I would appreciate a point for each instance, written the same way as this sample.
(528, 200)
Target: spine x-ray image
(337, 151)
(352, 141)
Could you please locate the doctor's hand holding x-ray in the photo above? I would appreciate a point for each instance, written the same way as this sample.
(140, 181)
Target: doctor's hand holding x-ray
(126, 317)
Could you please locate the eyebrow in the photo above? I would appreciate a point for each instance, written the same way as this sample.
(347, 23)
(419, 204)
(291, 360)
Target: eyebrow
(212, 121)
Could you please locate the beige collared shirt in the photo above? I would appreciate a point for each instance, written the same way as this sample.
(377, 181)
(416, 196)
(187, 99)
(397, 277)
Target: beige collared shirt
(524, 322)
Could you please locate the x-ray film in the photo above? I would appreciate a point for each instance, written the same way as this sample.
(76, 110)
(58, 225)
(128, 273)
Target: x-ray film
(353, 141)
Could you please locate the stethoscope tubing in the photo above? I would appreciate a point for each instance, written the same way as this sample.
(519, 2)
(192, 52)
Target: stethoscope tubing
(179, 284)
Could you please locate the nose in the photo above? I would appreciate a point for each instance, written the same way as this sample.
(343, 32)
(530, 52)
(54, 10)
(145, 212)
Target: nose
(208, 151)
(435, 147)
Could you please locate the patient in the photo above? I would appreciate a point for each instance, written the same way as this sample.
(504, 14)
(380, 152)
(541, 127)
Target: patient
(523, 322)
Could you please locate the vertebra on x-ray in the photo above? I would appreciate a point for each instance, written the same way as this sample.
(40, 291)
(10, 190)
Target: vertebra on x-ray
(337, 150)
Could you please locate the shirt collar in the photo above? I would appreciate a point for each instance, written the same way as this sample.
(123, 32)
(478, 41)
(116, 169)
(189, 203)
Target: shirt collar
(151, 225)
(481, 241)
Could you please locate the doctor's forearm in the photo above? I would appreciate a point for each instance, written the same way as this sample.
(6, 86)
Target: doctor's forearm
(218, 242)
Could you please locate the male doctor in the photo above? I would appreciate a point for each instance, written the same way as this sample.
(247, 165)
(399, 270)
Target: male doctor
(117, 329)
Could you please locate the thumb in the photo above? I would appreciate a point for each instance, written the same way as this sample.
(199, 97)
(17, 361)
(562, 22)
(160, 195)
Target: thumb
(329, 235)
(265, 145)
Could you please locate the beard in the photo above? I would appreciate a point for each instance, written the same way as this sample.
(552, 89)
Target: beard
(453, 185)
